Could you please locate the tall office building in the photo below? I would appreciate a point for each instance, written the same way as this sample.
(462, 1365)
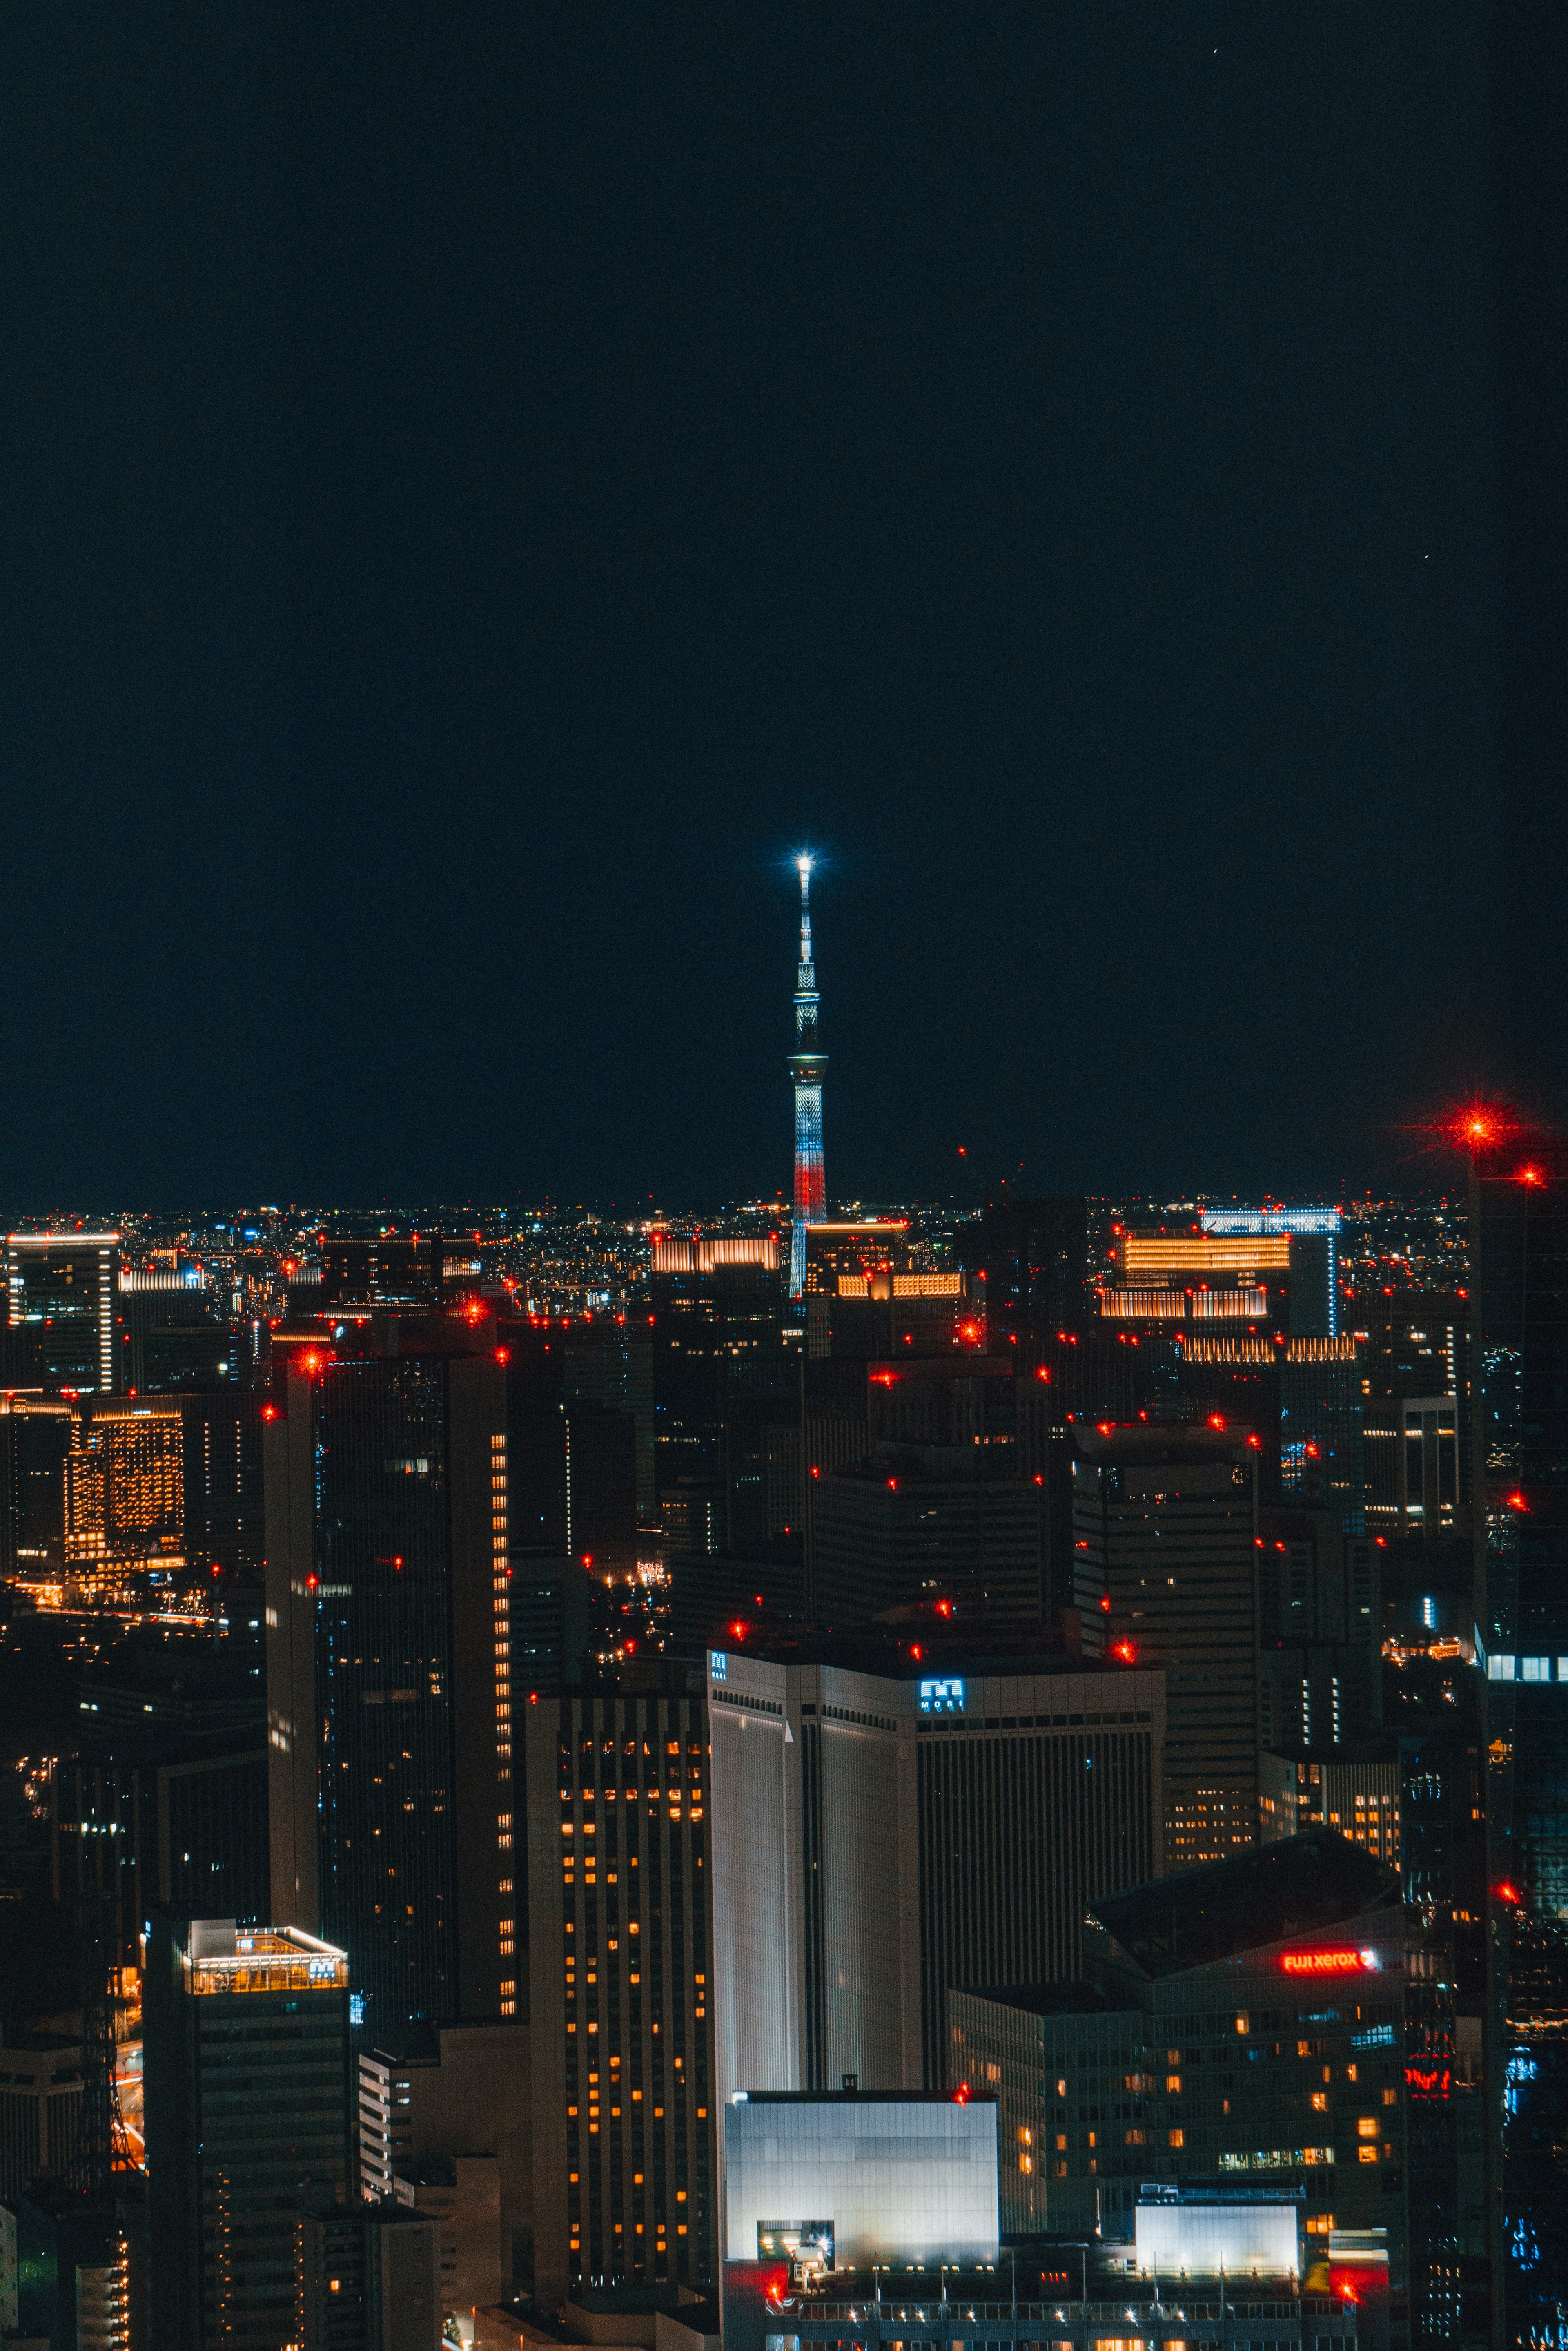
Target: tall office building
(807, 1067)
(247, 2114)
(174, 1335)
(936, 1527)
(724, 1375)
(390, 1671)
(1519, 1360)
(1519, 1249)
(63, 1292)
(1165, 1572)
(622, 1988)
(1033, 1258)
(1320, 1631)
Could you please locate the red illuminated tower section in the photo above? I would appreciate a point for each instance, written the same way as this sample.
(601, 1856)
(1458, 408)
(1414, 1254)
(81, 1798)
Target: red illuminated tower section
(806, 1066)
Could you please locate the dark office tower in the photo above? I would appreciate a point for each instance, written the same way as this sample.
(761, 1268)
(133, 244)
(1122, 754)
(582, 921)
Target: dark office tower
(725, 1372)
(389, 1674)
(1165, 1528)
(601, 1488)
(1320, 1632)
(1419, 1444)
(607, 1360)
(1519, 1258)
(807, 1069)
(573, 1458)
(1035, 1257)
(150, 1817)
(247, 2115)
(63, 1296)
(173, 1334)
(223, 1477)
(620, 1978)
(34, 1438)
(931, 1529)
(880, 1836)
(366, 2278)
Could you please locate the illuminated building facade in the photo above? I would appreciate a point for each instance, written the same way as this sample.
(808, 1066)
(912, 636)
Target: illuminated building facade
(62, 1299)
(173, 1335)
(878, 1838)
(1165, 1530)
(1313, 1234)
(1266, 2026)
(807, 1066)
(390, 1673)
(247, 2118)
(125, 1495)
(911, 2179)
(1355, 1792)
(621, 1969)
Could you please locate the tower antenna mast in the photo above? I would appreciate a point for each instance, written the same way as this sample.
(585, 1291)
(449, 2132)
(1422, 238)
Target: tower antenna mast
(806, 1068)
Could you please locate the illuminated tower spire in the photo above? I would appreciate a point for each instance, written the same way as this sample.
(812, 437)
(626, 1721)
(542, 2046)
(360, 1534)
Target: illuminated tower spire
(806, 1066)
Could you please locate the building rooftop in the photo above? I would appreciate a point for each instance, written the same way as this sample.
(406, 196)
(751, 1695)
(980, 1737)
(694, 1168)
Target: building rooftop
(1297, 1886)
(860, 2099)
(1069, 1999)
(221, 1959)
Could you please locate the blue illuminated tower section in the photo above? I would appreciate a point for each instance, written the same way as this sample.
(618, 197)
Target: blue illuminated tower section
(806, 1066)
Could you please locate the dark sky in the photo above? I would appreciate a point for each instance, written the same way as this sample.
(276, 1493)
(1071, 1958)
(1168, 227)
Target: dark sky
(484, 484)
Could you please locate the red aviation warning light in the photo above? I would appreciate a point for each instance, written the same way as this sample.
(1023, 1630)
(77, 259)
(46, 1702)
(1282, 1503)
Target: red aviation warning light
(1329, 1960)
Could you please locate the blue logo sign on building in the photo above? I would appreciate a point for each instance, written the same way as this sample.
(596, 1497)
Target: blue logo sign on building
(941, 1698)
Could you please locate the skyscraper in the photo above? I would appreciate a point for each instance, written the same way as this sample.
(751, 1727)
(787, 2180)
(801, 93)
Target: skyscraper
(806, 1067)
(247, 2120)
(1165, 1528)
(390, 1671)
(62, 1295)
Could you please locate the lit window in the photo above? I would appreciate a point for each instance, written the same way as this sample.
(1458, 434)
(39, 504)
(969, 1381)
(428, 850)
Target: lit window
(1366, 2126)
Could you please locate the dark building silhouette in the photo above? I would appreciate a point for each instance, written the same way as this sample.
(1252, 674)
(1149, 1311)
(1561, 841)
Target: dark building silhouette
(389, 1690)
(148, 1818)
(1165, 1569)
(34, 1438)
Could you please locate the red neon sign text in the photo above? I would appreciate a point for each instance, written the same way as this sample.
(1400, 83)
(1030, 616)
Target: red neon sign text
(1332, 1960)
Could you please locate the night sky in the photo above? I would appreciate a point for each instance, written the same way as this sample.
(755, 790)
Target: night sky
(483, 485)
